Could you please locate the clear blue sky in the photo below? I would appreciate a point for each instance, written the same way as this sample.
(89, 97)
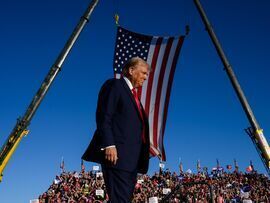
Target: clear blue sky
(205, 119)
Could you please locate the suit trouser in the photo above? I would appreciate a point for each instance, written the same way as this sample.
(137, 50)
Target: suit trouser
(119, 184)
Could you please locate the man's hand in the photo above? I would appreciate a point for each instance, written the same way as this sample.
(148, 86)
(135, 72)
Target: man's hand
(111, 155)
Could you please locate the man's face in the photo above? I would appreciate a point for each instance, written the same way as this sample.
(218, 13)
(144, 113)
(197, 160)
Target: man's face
(138, 74)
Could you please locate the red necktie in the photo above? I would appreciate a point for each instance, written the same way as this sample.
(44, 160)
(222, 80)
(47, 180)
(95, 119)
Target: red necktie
(140, 111)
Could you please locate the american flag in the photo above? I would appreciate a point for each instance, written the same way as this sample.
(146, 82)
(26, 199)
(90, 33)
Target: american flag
(161, 53)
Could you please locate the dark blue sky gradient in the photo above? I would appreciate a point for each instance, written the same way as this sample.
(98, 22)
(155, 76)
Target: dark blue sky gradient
(205, 119)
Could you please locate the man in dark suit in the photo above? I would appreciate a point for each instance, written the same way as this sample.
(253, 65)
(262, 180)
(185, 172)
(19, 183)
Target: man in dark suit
(121, 141)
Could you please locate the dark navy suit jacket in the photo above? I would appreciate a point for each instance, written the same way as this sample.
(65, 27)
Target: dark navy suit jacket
(119, 123)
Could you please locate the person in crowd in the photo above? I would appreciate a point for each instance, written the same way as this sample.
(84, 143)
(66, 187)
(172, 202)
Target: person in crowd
(81, 187)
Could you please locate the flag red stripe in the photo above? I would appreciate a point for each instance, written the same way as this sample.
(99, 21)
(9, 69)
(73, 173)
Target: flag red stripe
(152, 152)
(159, 88)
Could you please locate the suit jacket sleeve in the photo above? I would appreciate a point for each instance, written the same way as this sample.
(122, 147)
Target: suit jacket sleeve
(107, 105)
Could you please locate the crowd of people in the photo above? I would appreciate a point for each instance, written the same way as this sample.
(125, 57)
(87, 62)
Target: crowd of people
(87, 187)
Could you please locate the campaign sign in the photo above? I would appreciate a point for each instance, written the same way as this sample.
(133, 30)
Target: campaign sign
(99, 174)
(95, 168)
(153, 200)
(140, 181)
(34, 201)
(166, 191)
(100, 193)
(161, 165)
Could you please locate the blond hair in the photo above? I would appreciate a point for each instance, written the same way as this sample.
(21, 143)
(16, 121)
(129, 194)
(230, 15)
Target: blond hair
(133, 62)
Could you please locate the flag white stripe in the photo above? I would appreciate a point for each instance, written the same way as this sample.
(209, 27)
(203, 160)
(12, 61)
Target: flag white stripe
(156, 150)
(117, 76)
